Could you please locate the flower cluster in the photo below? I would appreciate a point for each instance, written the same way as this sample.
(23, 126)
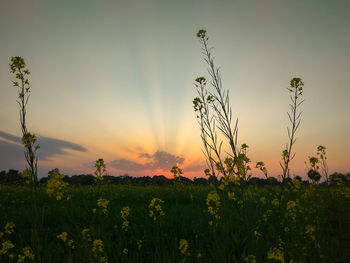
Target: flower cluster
(64, 237)
(276, 254)
(124, 214)
(56, 186)
(103, 204)
(213, 203)
(26, 252)
(201, 33)
(155, 208)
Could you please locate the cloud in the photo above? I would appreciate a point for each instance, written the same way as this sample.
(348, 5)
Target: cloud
(12, 150)
(127, 165)
(158, 160)
(165, 161)
(48, 146)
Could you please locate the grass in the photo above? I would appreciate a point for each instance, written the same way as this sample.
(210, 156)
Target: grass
(311, 225)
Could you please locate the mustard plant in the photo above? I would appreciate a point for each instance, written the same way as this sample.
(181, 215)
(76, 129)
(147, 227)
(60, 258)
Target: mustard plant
(177, 172)
(219, 98)
(294, 116)
(220, 117)
(321, 152)
(100, 169)
(18, 68)
(207, 126)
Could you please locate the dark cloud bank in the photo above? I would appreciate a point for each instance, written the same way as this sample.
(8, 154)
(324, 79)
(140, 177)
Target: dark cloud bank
(12, 150)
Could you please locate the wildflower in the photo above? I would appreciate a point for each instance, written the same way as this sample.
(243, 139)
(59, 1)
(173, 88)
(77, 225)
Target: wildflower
(26, 252)
(199, 255)
(201, 33)
(183, 246)
(276, 253)
(221, 187)
(9, 228)
(63, 236)
(55, 185)
(257, 234)
(139, 244)
(102, 203)
(201, 80)
(70, 243)
(103, 260)
(275, 202)
(86, 234)
(125, 251)
(124, 214)
(97, 245)
(231, 196)
(6, 246)
(309, 230)
(250, 259)
(213, 203)
(155, 208)
(94, 211)
(20, 258)
(263, 200)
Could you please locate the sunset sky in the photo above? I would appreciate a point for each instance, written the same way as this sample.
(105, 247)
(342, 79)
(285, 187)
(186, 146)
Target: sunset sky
(114, 80)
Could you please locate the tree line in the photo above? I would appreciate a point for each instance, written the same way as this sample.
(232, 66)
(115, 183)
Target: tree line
(14, 177)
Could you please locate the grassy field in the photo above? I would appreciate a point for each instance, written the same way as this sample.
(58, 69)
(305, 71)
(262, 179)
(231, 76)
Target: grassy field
(175, 224)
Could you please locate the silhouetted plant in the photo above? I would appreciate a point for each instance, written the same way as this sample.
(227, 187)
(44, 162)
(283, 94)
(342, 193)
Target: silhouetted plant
(321, 152)
(208, 127)
(100, 169)
(236, 164)
(177, 172)
(219, 98)
(296, 90)
(18, 67)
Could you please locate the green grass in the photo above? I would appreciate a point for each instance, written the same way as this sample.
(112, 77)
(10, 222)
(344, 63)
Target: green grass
(247, 226)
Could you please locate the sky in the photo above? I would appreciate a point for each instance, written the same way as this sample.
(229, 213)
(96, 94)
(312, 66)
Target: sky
(115, 80)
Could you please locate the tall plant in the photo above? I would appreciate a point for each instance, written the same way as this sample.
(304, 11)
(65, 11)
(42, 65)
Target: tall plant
(221, 100)
(18, 68)
(294, 116)
(214, 111)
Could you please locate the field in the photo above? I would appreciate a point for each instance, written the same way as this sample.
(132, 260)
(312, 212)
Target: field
(229, 223)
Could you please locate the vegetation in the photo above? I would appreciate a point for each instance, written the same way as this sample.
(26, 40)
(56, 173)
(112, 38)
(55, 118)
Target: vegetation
(228, 217)
(18, 67)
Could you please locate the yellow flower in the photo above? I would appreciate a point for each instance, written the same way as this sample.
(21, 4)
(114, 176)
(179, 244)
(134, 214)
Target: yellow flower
(86, 234)
(9, 228)
(63, 236)
(250, 259)
(20, 258)
(156, 208)
(103, 260)
(102, 203)
(257, 234)
(263, 200)
(97, 245)
(125, 251)
(27, 251)
(56, 186)
(275, 202)
(183, 246)
(139, 244)
(276, 253)
(6, 246)
(231, 196)
(201, 33)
